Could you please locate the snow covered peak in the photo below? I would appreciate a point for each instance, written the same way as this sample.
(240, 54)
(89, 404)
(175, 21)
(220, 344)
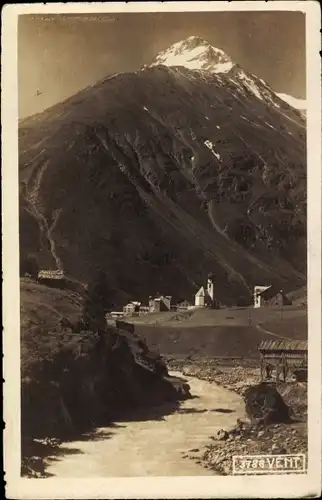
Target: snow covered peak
(195, 53)
(299, 104)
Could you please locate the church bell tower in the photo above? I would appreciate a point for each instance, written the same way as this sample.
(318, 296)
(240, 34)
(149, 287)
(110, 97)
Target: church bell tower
(211, 286)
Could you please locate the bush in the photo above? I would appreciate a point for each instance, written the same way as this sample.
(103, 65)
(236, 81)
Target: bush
(98, 302)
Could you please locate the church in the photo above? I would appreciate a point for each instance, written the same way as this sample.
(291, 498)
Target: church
(205, 297)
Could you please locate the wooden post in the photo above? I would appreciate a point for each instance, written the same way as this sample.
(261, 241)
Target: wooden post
(282, 303)
(285, 371)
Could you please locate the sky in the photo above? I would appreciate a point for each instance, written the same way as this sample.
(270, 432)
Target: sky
(60, 55)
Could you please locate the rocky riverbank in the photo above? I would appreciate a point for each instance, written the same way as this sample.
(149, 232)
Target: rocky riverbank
(249, 438)
(232, 374)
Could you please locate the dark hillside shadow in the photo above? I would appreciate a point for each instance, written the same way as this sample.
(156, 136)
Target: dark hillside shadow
(222, 410)
(158, 412)
(94, 435)
(192, 410)
(38, 455)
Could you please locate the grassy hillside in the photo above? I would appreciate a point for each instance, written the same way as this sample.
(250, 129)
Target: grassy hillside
(45, 306)
(223, 333)
(233, 316)
(41, 309)
(295, 327)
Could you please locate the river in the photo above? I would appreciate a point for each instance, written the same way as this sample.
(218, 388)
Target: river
(153, 447)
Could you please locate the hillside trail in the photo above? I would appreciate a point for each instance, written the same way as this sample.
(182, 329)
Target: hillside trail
(153, 447)
(276, 335)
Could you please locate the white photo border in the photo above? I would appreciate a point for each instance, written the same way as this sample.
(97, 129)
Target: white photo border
(151, 487)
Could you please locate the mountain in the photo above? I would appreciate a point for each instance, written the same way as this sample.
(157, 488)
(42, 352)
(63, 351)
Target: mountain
(162, 175)
(195, 53)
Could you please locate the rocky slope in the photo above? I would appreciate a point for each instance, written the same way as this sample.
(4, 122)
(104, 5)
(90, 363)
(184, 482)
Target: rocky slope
(161, 175)
(250, 438)
(71, 382)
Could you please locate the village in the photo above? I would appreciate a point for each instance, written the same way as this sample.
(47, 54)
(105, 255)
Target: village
(264, 296)
(277, 357)
(205, 297)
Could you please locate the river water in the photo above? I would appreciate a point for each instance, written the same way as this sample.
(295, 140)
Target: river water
(153, 447)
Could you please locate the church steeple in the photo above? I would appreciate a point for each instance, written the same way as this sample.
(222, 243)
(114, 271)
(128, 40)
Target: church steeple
(211, 286)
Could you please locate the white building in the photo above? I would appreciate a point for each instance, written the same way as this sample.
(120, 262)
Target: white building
(200, 297)
(258, 290)
(211, 288)
(132, 307)
(205, 296)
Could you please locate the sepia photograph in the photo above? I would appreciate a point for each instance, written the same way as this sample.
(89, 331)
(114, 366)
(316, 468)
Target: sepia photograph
(163, 260)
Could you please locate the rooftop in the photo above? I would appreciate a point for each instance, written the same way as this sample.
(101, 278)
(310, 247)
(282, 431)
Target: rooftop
(54, 274)
(201, 292)
(287, 345)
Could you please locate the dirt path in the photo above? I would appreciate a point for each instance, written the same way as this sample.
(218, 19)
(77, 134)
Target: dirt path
(153, 447)
(276, 335)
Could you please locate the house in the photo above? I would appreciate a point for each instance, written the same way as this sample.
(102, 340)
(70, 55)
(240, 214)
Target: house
(206, 295)
(52, 277)
(160, 303)
(270, 296)
(258, 290)
(144, 310)
(116, 314)
(52, 274)
(131, 308)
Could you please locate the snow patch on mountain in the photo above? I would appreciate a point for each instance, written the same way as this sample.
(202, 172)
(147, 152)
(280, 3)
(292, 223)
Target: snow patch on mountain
(196, 54)
(210, 146)
(293, 101)
(269, 125)
(249, 84)
(223, 67)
